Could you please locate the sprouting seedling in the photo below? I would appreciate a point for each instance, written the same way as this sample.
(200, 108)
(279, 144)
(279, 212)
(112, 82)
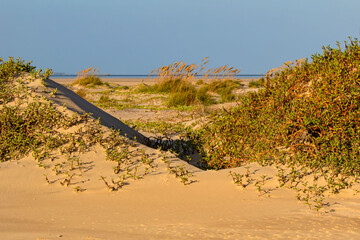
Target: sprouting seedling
(263, 178)
(247, 174)
(281, 177)
(128, 171)
(259, 185)
(47, 179)
(56, 170)
(164, 158)
(41, 164)
(71, 160)
(78, 189)
(318, 204)
(147, 170)
(67, 180)
(237, 178)
(134, 175)
(79, 164)
(53, 92)
(146, 160)
(180, 172)
(121, 181)
(112, 188)
(117, 168)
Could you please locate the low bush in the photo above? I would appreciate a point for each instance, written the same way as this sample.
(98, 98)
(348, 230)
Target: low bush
(24, 124)
(257, 83)
(307, 114)
(225, 89)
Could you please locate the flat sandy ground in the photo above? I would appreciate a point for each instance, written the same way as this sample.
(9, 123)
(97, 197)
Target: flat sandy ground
(122, 81)
(159, 206)
(128, 81)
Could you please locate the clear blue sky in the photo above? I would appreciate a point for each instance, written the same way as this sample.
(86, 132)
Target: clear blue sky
(136, 36)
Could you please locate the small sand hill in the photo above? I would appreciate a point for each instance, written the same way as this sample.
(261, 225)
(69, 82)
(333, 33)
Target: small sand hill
(89, 196)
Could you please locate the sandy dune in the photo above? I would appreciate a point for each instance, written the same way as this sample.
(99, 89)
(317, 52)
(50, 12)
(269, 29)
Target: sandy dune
(159, 206)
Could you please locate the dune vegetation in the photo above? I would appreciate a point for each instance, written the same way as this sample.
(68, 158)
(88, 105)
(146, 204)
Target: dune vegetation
(304, 120)
(32, 125)
(179, 82)
(306, 117)
(88, 78)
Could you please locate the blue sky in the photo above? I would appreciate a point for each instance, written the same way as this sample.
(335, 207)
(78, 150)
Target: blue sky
(136, 36)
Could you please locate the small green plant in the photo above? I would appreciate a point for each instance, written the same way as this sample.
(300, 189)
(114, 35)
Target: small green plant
(182, 173)
(78, 189)
(238, 179)
(67, 181)
(116, 185)
(257, 83)
(47, 179)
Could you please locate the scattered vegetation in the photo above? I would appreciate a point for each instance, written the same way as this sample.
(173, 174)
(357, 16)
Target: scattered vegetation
(305, 120)
(88, 78)
(180, 81)
(31, 125)
(307, 116)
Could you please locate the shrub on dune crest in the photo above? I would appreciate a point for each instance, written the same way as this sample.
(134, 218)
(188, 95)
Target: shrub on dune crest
(308, 114)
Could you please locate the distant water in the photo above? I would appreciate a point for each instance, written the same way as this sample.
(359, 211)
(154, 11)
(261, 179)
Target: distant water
(145, 75)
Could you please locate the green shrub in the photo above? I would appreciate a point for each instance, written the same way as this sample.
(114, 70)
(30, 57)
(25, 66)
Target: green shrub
(24, 125)
(107, 102)
(308, 114)
(225, 89)
(9, 69)
(257, 83)
(203, 96)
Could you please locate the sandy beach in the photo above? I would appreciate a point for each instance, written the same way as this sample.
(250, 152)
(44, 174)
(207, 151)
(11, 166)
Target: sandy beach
(159, 206)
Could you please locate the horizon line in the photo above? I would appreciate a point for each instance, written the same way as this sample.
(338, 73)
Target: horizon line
(147, 75)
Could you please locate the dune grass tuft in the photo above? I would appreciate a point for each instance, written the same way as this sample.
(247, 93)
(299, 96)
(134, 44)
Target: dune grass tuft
(88, 78)
(180, 81)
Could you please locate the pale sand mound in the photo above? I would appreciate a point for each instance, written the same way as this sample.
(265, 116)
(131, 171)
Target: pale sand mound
(159, 206)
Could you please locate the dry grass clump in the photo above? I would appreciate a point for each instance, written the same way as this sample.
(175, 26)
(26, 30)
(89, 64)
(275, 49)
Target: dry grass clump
(81, 92)
(88, 78)
(180, 79)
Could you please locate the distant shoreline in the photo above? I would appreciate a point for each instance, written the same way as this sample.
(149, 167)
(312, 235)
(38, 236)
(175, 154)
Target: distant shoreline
(146, 76)
(129, 81)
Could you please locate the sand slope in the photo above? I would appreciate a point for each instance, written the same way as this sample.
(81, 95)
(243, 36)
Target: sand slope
(159, 206)
(77, 104)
